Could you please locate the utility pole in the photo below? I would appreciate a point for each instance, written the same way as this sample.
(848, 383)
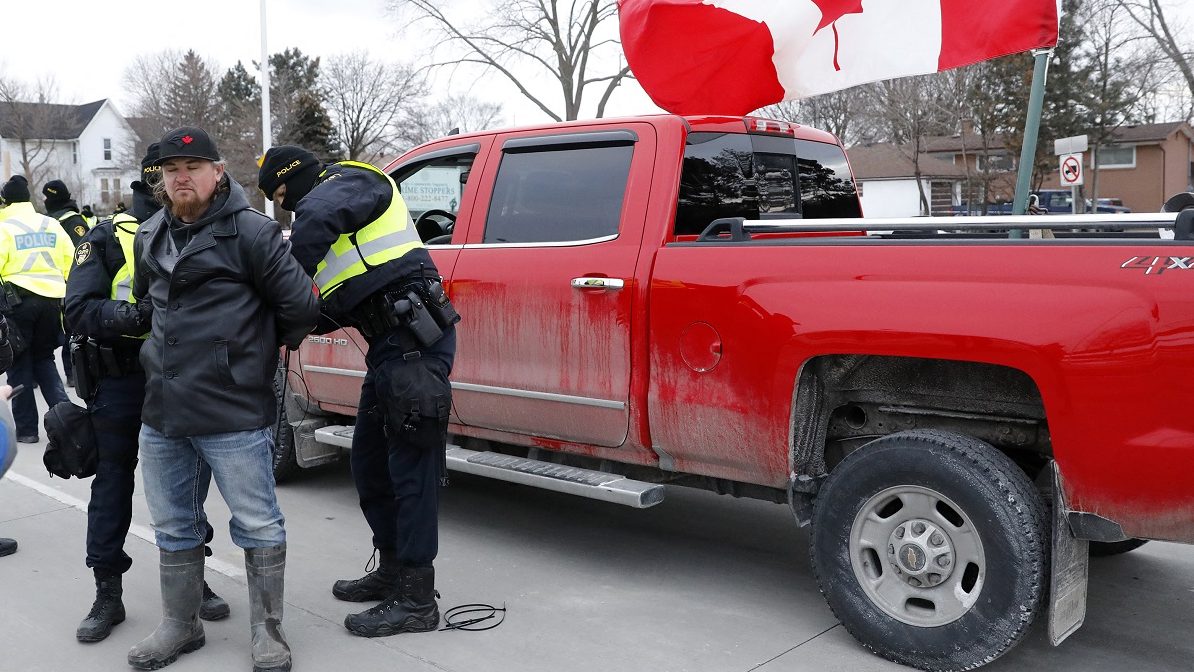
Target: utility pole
(267, 137)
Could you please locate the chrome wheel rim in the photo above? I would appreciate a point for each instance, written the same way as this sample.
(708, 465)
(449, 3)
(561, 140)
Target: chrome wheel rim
(917, 555)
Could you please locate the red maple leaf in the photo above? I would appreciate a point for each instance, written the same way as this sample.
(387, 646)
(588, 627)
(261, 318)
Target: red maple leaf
(831, 11)
(186, 139)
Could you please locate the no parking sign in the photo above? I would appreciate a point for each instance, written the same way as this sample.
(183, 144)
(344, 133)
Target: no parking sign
(1071, 170)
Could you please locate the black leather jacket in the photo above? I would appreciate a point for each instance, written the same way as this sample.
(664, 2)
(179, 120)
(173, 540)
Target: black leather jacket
(234, 297)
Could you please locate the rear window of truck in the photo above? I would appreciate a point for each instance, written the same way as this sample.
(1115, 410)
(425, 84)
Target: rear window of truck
(761, 177)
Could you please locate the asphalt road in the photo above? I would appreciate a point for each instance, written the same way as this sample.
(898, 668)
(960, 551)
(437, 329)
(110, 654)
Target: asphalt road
(699, 583)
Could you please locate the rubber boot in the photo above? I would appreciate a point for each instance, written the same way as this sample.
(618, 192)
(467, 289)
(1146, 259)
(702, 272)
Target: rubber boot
(411, 609)
(106, 612)
(213, 607)
(180, 630)
(374, 586)
(266, 569)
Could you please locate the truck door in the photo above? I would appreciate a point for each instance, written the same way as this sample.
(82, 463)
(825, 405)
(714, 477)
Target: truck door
(545, 285)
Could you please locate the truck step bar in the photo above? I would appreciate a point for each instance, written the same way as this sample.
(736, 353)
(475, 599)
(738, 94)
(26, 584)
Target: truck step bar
(535, 473)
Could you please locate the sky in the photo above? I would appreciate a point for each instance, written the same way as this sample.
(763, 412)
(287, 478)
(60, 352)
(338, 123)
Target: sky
(87, 44)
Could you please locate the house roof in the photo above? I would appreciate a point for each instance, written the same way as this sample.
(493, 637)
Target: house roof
(884, 161)
(47, 121)
(1134, 133)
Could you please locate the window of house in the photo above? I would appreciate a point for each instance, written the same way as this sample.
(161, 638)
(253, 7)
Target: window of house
(995, 162)
(107, 149)
(116, 193)
(558, 195)
(74, 151)
(105, 195)
(1117, 156)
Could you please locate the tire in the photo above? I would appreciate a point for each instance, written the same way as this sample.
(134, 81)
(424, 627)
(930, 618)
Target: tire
(285, 459)
(954, 503)
(1103, 549)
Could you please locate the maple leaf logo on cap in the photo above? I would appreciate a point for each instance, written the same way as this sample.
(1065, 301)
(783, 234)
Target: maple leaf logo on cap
(186, 139)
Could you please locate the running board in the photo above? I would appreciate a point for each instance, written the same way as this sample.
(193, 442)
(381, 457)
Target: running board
(535, 473)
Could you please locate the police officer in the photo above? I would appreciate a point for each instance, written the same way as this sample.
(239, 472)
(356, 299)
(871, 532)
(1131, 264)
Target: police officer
(63, 208)
(35, 256)
(353, 234)
(102, 312)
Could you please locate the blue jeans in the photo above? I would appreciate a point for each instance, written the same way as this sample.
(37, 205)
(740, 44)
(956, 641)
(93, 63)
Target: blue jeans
(177, 473)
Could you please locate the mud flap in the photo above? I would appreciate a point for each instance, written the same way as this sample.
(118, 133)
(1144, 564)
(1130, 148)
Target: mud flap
(1070, 570)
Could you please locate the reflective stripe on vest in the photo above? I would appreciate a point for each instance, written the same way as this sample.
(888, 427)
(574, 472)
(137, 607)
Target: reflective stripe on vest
(386, 238)
(122, 280)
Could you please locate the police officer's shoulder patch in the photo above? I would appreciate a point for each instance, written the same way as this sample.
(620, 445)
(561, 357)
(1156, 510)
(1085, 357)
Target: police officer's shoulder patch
(80, 230)
(82, 254)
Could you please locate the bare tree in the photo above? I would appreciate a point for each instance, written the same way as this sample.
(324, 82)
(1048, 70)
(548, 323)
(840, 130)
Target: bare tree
(36, 124)
(461, 113)
(170, 89)
(906, 114)
(370, 102)
(838, 112)
(561, 39)
(1150, 16)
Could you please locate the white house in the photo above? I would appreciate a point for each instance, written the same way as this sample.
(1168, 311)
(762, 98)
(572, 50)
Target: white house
(887, 183)
(89, 147)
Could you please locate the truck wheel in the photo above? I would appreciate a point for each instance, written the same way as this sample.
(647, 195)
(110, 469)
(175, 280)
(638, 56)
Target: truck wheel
(931, 549)
(1102, 549)
(285, 459)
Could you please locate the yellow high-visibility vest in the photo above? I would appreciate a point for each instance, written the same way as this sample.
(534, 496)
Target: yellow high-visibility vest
(35, 251)
(124, 227)
(386, 238)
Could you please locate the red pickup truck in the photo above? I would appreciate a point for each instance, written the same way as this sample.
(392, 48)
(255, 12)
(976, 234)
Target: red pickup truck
(956, 413)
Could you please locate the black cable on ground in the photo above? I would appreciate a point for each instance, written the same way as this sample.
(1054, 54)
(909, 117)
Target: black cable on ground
(472, 617)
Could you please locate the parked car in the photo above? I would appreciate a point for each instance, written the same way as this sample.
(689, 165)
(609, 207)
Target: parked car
(1055, 201)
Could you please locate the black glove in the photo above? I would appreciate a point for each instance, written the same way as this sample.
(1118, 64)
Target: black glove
(3, 331)
(145, 308)
(128, 319)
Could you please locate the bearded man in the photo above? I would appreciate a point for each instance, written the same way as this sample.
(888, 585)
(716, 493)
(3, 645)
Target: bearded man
(224, 294)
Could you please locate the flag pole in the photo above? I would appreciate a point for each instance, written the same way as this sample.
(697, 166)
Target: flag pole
(1032, 125)
(266, 135)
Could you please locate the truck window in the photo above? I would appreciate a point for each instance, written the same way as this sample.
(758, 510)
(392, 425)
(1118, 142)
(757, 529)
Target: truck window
(717, 181)
(826, 185)
(558, 195)
(761, 177)
(436, 185)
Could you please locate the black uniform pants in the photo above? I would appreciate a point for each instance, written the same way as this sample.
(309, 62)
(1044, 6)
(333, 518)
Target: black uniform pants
(397, 449)
(116, 418)
(39, 320)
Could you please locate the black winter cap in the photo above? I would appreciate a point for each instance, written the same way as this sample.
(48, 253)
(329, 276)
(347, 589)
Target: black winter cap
(55, 190)
(280, 164)
(187, 142)
(15, 190)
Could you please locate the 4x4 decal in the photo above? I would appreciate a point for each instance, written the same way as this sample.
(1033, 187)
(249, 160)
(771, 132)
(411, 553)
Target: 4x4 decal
(1158, 265)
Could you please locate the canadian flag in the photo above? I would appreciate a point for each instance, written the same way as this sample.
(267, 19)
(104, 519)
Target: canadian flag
(735, 56)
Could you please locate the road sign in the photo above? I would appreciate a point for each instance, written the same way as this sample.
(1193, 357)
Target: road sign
(1071, 145)
(1071, 170)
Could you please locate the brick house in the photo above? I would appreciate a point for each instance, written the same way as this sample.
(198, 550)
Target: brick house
(1143, 164)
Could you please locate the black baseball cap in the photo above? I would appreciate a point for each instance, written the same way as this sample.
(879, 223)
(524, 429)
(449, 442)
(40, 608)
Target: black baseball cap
(189, 142)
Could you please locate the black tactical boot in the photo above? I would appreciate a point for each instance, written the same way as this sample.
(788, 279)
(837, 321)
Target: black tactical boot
(374, 586)
(7, 547)
(266, 569)
(411, 609)
(106, 612)
(180, 630)
(213, 607)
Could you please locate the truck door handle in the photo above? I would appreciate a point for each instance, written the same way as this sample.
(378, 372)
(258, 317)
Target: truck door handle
(598, 283)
